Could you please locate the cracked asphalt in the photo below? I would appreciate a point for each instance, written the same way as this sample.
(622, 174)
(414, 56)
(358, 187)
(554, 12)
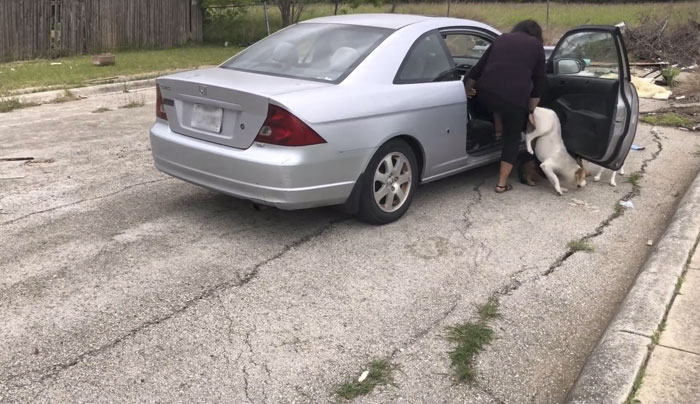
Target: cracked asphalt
(120, 284)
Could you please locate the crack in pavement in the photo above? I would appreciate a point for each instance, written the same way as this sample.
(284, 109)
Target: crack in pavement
(466, 216)
(85, 200)
(633, 333)
(54, 370)
(636, 191)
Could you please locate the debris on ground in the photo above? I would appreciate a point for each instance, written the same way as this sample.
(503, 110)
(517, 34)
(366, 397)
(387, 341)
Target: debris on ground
(647, 89)
(363, 376)
(584, 204)
(637, 147)
(650, 243)
(627, 204)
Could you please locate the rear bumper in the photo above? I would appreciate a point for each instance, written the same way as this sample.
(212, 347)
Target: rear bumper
(284, 177)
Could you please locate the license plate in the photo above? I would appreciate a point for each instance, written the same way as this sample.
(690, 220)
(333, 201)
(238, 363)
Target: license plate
(207, 118)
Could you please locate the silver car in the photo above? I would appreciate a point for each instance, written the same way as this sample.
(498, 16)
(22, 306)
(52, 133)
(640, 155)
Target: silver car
(360, 109)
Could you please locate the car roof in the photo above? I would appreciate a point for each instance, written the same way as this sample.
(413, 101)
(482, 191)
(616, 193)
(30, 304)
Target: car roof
(392, 21)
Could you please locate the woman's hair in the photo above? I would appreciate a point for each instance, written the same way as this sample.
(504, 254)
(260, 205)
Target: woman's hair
(530, 27)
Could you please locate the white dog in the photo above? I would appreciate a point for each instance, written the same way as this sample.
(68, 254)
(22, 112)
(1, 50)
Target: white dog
(621, 171)
(550, 150)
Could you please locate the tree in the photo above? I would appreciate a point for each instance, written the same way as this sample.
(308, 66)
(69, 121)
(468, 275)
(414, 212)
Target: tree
(290, 10)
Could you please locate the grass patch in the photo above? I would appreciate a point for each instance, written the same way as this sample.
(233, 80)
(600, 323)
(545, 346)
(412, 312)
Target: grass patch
(471, 338)
(379, 374)
(580, 245)
(11, 104)
(79, 71)
(101, 110)
(669, 119)
(634, 178)
(67, 96)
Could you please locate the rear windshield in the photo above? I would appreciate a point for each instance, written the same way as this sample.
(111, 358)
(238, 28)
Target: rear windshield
(323, 52)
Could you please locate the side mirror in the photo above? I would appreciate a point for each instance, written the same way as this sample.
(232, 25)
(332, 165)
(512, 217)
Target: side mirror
(569, 66)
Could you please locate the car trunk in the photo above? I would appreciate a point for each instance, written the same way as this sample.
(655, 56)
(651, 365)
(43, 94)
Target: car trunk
(223, 106)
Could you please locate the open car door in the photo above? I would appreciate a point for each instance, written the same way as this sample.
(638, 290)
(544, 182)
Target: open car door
(590, 88)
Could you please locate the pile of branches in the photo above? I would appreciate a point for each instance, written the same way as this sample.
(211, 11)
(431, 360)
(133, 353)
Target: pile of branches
(654, 39)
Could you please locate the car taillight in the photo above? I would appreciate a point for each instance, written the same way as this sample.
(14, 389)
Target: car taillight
(284, 129)
(160, 109)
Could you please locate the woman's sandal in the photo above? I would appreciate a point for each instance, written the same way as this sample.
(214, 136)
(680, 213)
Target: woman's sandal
(504, 188)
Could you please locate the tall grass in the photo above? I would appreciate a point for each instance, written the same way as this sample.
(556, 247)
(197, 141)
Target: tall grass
(249, 26)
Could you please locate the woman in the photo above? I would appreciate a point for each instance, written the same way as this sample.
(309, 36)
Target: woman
(508, 79)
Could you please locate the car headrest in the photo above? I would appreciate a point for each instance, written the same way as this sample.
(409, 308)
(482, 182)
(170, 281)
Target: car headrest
(285, 52)
(343, 57)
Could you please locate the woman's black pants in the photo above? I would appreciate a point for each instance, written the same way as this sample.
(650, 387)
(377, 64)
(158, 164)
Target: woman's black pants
(513, 118)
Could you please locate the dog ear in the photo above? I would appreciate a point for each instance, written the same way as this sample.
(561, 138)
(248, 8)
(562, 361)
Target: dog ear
(579, 161)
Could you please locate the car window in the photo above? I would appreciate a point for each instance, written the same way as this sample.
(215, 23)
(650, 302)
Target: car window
(466, 49)
(324, 52)
(588, 53)
(426, 61)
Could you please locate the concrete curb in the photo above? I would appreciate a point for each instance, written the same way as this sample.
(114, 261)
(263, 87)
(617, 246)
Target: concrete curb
(119, 85)
(611, 369)
(48, 96)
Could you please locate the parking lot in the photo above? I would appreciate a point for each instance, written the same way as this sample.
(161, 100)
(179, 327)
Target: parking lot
(119, 283)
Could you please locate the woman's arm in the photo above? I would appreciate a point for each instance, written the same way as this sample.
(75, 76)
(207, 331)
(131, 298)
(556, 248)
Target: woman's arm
(469, 87)
(478, 68)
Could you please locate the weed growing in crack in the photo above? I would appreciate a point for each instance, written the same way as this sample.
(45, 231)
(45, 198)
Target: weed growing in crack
(67, 96)
(101, 110)
(634, 178)
(579, 245)
(619, 209)
(379, 374)
(696, 153)
(657, 334)
(679, 284)
(489, 310)
(638, 381)
(134, 102)
(11, 104)
(471, 338)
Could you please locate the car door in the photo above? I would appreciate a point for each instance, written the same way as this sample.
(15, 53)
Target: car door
(431, 93)
(467, 46)
(589, 86)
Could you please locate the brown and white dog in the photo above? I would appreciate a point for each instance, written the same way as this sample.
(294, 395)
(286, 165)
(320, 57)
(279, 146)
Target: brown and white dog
(550, 150)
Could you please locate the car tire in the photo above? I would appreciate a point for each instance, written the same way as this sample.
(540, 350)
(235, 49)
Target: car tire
(389, 183)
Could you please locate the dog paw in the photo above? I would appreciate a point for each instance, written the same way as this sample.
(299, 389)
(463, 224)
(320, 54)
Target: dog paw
(613, 183)
(559, 193)
(596, 178)
(565, 190)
